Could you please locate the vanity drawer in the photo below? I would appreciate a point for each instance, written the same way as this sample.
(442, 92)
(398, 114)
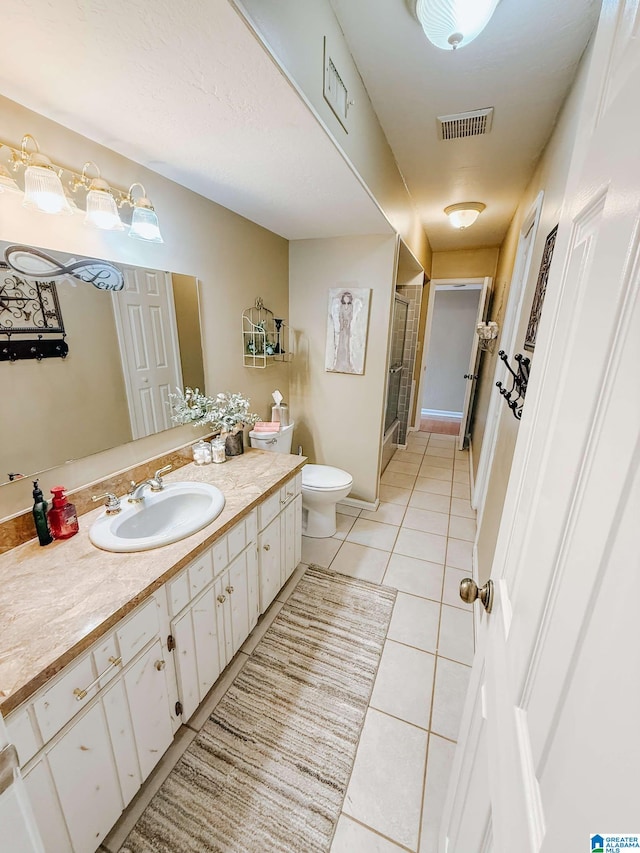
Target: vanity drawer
(58, 704)
(200, 573)
(236, 540)
(220, 556)
(22, 735)
(268, 510)
(138, 630)
(251, 526)
(178, 593)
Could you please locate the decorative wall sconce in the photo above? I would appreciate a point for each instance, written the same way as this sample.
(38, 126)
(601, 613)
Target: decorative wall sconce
(487, 334)
(45, 192)
(463, 215)
(519, 381)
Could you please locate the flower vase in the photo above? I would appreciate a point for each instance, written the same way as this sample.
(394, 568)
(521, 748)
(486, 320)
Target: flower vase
(233, 444)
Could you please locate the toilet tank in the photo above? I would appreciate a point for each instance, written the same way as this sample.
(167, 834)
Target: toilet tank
(280, 441)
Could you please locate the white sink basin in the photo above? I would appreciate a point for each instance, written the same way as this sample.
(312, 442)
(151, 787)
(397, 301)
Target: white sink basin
(179, 510)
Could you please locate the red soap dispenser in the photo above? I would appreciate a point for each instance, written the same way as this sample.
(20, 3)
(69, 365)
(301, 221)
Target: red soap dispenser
(63, 521)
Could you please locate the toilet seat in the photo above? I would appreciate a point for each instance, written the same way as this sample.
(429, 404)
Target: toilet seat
(325, 478)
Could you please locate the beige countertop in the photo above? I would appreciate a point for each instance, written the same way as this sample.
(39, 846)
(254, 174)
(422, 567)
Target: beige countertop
(58, 600)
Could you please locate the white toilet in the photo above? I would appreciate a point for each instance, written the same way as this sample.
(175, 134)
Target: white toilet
(322, 485)
(322, 488)
(279, 441)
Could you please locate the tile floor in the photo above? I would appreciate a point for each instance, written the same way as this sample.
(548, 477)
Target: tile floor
(419, 541)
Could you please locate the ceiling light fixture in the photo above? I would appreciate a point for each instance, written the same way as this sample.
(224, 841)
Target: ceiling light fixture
(463, 215)
(449, 24)
(44, 191)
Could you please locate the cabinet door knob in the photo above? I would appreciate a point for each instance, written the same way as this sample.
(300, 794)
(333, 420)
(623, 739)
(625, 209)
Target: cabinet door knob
(229, 589)
(222, 598)
(267, 547)
(159, 665)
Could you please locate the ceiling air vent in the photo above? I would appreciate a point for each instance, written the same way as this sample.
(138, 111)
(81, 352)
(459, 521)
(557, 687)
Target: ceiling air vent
(462, 125)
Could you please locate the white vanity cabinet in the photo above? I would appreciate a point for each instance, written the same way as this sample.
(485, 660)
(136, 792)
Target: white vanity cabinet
(89, 738)
(279, 539)
(93, 734)
(214, 607)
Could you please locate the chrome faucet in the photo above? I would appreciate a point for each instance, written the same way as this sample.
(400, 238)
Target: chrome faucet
(155, 484)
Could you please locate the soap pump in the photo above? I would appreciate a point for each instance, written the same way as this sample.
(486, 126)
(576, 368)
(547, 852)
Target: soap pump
(63, 519)
(40, 515)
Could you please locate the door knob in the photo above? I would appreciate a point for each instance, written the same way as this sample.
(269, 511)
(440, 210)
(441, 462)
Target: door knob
(222, 598)
(469, 592)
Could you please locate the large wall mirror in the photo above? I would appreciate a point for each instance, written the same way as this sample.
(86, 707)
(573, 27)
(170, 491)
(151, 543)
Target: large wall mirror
(127, 350)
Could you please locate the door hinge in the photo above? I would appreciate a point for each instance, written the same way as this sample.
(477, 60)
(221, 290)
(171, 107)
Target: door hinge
(171, 643)
(178, 708)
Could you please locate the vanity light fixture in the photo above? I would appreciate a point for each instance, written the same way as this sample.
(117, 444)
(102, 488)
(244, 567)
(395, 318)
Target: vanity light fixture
(144, 221)
(463, 215)
(7, 183)
(45, 191)
(449, 24)
(101, 208)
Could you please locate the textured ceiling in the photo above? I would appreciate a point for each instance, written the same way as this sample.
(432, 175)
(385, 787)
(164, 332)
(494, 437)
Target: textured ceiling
(184, 87)
(522, 64)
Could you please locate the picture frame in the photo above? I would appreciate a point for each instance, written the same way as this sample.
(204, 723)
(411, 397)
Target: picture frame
(540, 291)
(347, 326)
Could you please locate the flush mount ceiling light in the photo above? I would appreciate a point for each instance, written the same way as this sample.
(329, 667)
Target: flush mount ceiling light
(463, 215)
(45, 191)
(449, 24)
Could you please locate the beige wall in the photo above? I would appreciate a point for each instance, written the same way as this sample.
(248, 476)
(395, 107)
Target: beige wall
(551, 177)
(234, 260)
(295, 33)
(339, 417)
(465, 263)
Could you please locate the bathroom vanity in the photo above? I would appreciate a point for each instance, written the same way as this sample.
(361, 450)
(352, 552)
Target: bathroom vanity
(105, 655)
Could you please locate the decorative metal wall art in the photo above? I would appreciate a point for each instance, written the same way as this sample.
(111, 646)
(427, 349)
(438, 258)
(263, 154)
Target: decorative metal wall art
(541, 289)
(35, 263)
(519, 380)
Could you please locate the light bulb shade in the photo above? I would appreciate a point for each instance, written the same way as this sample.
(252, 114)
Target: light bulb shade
(43, 191)
(7, 184)
(102, 211)
(449, 24)
(464, 214)
(144, 225)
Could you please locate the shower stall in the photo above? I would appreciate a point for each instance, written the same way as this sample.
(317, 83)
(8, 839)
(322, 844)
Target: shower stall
(394, 378)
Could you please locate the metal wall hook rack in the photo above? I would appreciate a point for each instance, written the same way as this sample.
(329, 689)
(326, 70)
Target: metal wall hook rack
(519, 380)
(18, 350)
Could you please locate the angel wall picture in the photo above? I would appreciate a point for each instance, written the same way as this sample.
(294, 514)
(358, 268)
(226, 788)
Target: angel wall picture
(347, 321)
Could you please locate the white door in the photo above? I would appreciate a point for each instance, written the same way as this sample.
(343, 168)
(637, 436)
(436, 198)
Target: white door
(145, 320)
(474, 364)
(549, 743)
(19, 833)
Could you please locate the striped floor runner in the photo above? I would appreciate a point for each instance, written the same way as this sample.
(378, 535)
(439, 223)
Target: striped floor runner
(268, 771)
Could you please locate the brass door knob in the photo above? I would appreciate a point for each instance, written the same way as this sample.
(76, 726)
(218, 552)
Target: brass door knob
(267, 547)
(469, 592)
(229, 589)
(160, 665)
(222, 598)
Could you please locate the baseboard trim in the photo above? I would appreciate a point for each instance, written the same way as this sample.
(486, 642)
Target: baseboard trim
(440, 414)
(371, 506)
